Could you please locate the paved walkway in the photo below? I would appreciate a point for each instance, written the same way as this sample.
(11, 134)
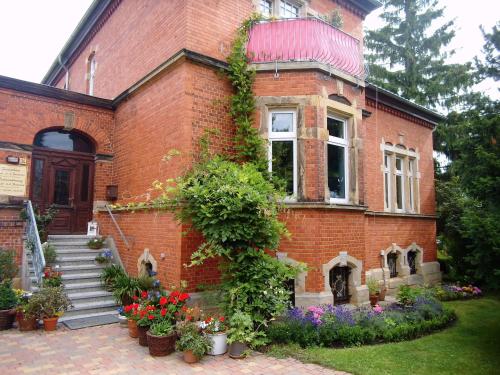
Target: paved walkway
(109, 350)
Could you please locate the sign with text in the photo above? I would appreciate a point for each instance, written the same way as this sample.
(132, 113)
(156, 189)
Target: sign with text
(13, 180)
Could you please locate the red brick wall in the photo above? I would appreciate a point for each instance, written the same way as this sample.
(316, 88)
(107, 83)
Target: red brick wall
(11, 231)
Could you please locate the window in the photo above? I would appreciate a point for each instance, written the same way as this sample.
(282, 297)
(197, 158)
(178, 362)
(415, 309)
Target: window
(412, 261)
(63, 140)
(392, 260)
(288, 10)
(91, 68)
(283, 148)
(400, 179)
(337, 149)
(266, 8)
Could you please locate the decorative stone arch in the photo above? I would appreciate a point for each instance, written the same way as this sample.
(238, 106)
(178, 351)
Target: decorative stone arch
(419, 260)
(144, 261)
(357, 291)
(300, 280)
(401, 264)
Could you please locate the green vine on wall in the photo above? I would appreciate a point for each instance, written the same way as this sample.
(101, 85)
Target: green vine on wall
(250, 146)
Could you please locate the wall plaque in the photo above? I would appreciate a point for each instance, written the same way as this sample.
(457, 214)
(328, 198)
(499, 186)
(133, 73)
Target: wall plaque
(13, 180)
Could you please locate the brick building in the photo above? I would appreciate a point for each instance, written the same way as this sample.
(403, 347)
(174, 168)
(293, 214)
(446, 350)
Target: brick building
(140, 77)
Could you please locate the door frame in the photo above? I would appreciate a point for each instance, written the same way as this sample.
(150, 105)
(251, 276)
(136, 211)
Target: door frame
(47, 154)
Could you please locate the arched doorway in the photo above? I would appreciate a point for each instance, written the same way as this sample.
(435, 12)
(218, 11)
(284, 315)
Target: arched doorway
(62, 175)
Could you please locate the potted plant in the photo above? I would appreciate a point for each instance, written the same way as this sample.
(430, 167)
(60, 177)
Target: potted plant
(26, 311)
(96, 243)
(161, 338)
(193, 344)
(109, 275)
(50, 255)
(144, 322)
(215, 329)
(52, 279)
(373, 290)
(131, 312)
(125, 288)
(240, 334)
(8, 265)
(104, 257)
(8, 301)
(52, 302)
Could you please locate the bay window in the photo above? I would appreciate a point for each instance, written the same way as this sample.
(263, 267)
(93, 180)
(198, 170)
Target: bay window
(283, 148)
(337, 160)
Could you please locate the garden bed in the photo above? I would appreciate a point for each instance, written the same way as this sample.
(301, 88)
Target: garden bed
(339, 326)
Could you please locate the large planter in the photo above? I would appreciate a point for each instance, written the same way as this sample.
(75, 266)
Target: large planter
(237, 350)
(373, 299)
(189, 357)
(50, 324)
(219, 343)
(7, 319)
(142, 334)
(26, 324)
(132, 328)
(381, 296)
(160, 346)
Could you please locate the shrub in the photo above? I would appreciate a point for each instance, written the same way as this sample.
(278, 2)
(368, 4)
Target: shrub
(161, 328)
(191, 339)
(125, 288)
(51, 302)
(8, 265)
(8, 298)
(109, 275)
(49, 253)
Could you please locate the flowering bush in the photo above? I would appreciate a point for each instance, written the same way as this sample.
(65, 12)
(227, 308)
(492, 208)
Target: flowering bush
(105, 257)
(214, 325)
(454, 292)
(52, 279)
(329, 325)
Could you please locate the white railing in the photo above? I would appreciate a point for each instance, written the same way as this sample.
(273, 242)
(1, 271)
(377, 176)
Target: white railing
(33, 243)
(120, 232)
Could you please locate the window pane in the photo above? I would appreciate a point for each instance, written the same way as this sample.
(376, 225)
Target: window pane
(386, 192)
(282, 162)
(38, 179)
(61, 188)
(266, 7)
(282, 122)
(84, 188)
(399, 192)
(64, 140)
(288, 10)
(399, 164)
(335, 128)
(336, 171)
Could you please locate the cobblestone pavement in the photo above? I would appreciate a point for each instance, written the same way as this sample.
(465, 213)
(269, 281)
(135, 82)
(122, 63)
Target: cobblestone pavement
(109, 350)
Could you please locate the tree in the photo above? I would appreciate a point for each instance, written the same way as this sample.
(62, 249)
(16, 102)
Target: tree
(407, 54)
(491, 67)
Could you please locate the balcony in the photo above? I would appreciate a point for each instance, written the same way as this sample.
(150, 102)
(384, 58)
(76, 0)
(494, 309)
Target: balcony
(305, 40)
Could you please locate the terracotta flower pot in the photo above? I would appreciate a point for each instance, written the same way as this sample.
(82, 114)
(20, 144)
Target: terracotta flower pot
(237, 350)
(132, 328)
(26, 324)
(7, 318)
(189, 357)
(50, 324)
(142, 334)
(373, 299)
(381, 296)
(160, 346)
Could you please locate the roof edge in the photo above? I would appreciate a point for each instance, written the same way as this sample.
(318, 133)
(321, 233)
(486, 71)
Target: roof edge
(391, 99)
(53, 92)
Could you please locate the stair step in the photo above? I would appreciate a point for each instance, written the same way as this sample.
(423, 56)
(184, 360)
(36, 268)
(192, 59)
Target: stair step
(91, 307)
(59, 237)
(77, 252)
(65, 318)
(83, 287)
(81, 277)
(81, 269)
(96, 296)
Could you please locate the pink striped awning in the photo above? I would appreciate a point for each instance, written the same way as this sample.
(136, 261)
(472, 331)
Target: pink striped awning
(305, 39)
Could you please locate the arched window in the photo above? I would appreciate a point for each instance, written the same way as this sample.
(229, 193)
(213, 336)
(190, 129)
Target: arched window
(64, 140)
(339, 284)
(392, 259)
(91, 68)
(412, 261)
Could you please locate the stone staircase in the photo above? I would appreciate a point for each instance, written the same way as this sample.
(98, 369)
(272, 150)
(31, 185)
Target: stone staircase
(81, 278)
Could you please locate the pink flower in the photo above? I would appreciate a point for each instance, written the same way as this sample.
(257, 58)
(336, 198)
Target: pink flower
(377, 309)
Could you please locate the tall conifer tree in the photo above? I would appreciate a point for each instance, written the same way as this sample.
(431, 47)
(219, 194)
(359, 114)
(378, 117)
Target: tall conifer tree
(407, 55)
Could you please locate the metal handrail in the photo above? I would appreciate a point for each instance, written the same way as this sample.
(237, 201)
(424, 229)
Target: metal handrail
(124, 239)
(33, 242)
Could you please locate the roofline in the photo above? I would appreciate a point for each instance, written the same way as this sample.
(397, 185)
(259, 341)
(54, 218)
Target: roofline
(53, 92)
(395, 101)
(77, 38)
(367, 6)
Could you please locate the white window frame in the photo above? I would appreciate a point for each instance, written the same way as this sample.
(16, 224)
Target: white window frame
(400, 173)
(283, 4)
(387, 181)
(276, 6)
(344, 143)
(410, 178)
(284, 136)
(261, 7)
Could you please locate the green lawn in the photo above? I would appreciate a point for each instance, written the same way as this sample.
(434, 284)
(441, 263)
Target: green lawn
(470, 346)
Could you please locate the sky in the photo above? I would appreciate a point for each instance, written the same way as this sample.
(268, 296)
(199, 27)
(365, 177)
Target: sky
(33, 32)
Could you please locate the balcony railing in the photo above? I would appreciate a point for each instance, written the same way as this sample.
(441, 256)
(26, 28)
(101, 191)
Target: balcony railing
(305, 40)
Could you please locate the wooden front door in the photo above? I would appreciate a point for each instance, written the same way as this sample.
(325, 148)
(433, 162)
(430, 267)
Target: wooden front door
(64, 180)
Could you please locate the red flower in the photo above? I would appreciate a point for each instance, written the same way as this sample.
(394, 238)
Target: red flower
(163, 312)
(144, 294)
(183, 296)
(127, 308)
(189, 317)
(184, 308)
(135, 298)
(175, 293)
(151, 317)
(163, 301)
(208, 320)
(221, 319)
(172, 300)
